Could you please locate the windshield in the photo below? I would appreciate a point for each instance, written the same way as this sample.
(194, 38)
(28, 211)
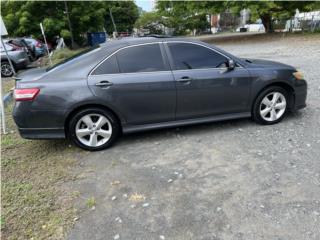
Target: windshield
(76, 55)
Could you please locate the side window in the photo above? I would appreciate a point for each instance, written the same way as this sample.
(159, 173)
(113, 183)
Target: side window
(109, 66)
(192, 56)
(144, 58)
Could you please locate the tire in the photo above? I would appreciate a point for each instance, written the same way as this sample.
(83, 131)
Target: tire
(270, 106)
(6, 70)
(96, 135)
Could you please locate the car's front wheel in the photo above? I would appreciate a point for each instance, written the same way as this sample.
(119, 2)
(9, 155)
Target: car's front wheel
(94, 129)
(270, 106)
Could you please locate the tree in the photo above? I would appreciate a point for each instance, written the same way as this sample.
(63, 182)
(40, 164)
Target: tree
(150, 20)
(187, 15)
(22, 18)
(125, 14)
(180, 13)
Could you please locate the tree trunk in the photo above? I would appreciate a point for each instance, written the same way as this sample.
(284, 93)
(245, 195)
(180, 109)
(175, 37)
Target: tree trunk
(70, 26)
(267, 23)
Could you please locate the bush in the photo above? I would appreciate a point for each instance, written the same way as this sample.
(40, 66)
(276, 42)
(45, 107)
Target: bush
(58, 56)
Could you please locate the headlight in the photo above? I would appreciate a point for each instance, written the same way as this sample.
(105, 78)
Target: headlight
(298, 75)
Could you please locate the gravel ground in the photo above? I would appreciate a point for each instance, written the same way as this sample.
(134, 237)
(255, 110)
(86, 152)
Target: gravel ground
(228, 180)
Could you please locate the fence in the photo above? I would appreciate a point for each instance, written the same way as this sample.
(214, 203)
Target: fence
(308, 22)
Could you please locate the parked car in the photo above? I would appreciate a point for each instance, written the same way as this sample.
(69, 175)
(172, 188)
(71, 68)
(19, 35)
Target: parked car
(37, 46)
(20, 43)
(141, 84)
(18, 57)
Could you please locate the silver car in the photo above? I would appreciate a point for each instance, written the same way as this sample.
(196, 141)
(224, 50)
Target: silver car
(18, 57)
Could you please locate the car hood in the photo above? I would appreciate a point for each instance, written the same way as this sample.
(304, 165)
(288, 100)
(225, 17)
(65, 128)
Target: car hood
(31, 74)
(267, 64)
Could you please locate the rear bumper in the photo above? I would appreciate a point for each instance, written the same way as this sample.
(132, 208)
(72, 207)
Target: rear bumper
(43, 124)
(42, 133)
(300, 93)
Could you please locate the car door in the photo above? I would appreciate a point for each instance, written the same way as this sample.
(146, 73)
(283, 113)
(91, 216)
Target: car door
(204, 86)
(137, 82)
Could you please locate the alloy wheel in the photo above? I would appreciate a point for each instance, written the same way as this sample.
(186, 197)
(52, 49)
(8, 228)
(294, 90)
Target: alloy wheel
(93, 130)
(273, 106)
(6, 69)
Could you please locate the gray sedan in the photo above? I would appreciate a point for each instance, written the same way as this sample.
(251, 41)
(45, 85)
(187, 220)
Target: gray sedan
(18, 56)
(142, 84)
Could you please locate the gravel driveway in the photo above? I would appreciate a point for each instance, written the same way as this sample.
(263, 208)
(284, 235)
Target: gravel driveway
(228, 180)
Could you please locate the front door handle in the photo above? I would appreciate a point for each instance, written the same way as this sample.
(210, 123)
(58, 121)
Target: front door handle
(185, 79)
(104, 84)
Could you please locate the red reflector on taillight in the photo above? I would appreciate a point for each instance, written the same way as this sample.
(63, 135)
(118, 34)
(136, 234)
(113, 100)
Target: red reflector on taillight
(25, 94)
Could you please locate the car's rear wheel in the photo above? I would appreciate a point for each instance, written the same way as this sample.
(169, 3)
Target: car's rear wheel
(6, 69)
(94, 129)
(270, 106)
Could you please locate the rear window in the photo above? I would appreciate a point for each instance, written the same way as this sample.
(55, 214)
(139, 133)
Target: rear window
(109, 66)
(76, 55)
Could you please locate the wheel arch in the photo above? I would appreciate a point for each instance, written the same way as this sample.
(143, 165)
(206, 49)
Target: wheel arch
(85, 106)
(283, 85)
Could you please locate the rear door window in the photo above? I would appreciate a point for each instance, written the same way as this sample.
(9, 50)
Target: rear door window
(143, 58)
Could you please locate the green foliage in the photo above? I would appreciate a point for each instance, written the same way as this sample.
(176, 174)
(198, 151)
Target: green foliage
(187, 15)
(65, 34)
(149, 20)
(59, 56)
(184, 15)
(125, 14)
(22, 18)
(91, 202)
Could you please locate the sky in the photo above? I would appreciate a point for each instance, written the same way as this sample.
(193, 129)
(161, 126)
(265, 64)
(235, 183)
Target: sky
(146, 5)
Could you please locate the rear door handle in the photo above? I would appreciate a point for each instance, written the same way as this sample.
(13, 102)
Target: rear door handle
(104, 84)
(185, 79)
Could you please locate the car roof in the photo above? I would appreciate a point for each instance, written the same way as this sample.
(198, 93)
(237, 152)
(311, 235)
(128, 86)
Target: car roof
(83, 64)
(142, 40)
(116, 44)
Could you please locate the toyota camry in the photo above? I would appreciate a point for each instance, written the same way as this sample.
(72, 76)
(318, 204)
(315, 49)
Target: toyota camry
(141, 84)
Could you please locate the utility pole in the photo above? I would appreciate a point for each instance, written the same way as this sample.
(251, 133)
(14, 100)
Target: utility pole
(69, 22)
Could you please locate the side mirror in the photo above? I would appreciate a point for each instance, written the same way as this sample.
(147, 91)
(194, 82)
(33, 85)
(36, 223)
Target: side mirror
(231, 64)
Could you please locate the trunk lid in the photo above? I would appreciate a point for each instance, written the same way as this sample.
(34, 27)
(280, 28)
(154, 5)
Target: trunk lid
(30, 75)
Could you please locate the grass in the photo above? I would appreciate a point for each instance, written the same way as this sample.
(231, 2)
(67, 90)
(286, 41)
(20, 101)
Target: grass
(7, 84)
(59, 56)
(35, 204)
(91, 202)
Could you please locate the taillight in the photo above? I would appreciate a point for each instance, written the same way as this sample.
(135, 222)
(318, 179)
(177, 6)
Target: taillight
(25, 94)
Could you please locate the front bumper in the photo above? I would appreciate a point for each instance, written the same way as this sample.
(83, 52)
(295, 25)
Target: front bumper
(300, 94)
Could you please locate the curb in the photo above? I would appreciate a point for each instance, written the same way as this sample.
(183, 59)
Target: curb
(7, 98)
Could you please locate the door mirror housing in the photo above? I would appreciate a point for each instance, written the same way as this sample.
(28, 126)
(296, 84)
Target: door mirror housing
(231, 64)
